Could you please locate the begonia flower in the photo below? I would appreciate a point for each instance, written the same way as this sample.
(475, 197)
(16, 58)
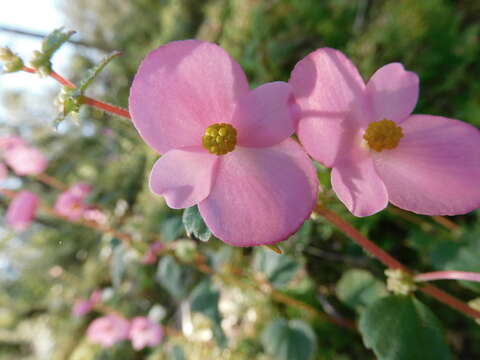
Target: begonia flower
(144, 332)
(9, 142)
(379, 152)
(26, 160)
(83, 307)
(3, 171)
(71, 203)
(22, 210)
(224, 147)
(108, 330)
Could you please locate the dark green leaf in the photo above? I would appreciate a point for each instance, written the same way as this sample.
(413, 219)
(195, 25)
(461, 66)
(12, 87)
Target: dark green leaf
(194, 224)
(289, 340)
(358, 288)
(172, 229)
(205, 300)
(279, 269)
(173, 277)
(402, 328)
(177, 353)
(93, 73)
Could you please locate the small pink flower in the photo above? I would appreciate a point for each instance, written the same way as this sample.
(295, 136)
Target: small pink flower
(82, 307)
(379, 152)
(10, 141)
(225, 148)
(26, 160)
(22, 210)
(108, 330)
(96, 216)
(3, 171)
(71, 203)
(151, 254)
(96, 297)
(144, 332)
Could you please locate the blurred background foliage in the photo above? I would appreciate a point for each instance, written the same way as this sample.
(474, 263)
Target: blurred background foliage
(236, 312)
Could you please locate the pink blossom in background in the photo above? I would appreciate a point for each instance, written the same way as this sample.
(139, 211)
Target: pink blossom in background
(22, 210)
(83, 307)
(151, 254)
(71, 203)
(9, 142)
(26, 160)
(224, 147)
(3, 171)
(108, 330)
(379, 152)
(95, 215)
(96, 297)
(144, 332)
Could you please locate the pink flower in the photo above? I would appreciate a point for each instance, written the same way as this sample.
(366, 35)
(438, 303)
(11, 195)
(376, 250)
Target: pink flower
(144, 332)
(96, 216)
(378, 150)
(22, 210)
(3, 171)
(71, 203)
(151, 254)
(83, 307)
(10, 141)
(108, 330)
(25, 160)
(225, 148)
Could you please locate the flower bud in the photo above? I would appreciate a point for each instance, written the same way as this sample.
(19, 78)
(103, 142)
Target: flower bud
(6, 54)
(399, 282)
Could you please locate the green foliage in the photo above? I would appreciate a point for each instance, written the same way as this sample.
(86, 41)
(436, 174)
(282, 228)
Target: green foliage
(278, 269)
(194, 224)
(176, 279)
(400, 327)
(358, 289)
(289, 340)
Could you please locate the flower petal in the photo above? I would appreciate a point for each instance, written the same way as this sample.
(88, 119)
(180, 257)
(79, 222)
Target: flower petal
(358, 186)
(261, 196)
(435, 168)
(393, 92)
(264, 117)
(331, 97)
(180, 89)
(183, 176)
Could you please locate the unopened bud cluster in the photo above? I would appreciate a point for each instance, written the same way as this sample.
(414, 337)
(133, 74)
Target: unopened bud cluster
(399, 282)
(11, 61)
(41, 63)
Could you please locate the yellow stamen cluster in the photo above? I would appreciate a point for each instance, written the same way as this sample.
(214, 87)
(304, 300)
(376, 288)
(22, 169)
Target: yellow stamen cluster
(220, 139)
(383, 134)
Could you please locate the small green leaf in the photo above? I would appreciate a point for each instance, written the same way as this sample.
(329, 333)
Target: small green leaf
(358, 288)
(205, 300)
(177, 353)
(41, 60)
(194, 224)
(117, 266)
(400, 327)
(172, 229)
(173, 277)
(289, 340)
(93, 73)
(279, 269)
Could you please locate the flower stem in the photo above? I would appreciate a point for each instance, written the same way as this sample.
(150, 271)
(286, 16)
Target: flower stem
(448, 275)
(391, 262)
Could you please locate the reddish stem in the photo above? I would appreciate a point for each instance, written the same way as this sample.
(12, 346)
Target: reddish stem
(86, 100)
(448, 275)
(391, 262)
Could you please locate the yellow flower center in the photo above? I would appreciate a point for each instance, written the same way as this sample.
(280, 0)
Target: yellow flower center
(383, 134)
(220, 139)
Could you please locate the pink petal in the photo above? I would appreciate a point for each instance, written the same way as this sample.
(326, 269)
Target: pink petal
(436, 167)
(330, 94)
(26, 160)
(261, 196)
(180, 89)
(22, 210)
(358, 186)
(3, 171)
(183, 176)
(393, 92)
(264, 117)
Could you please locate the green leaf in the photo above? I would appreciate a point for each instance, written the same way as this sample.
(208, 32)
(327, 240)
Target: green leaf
(93, 73)
(402, 328)
(289, 340)
(117, 266)
(358, 288)
(173, 277)
(172, 229)
(194, 224)
(177, 353)
(279, 269)
(205, 300)
(41, 59)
